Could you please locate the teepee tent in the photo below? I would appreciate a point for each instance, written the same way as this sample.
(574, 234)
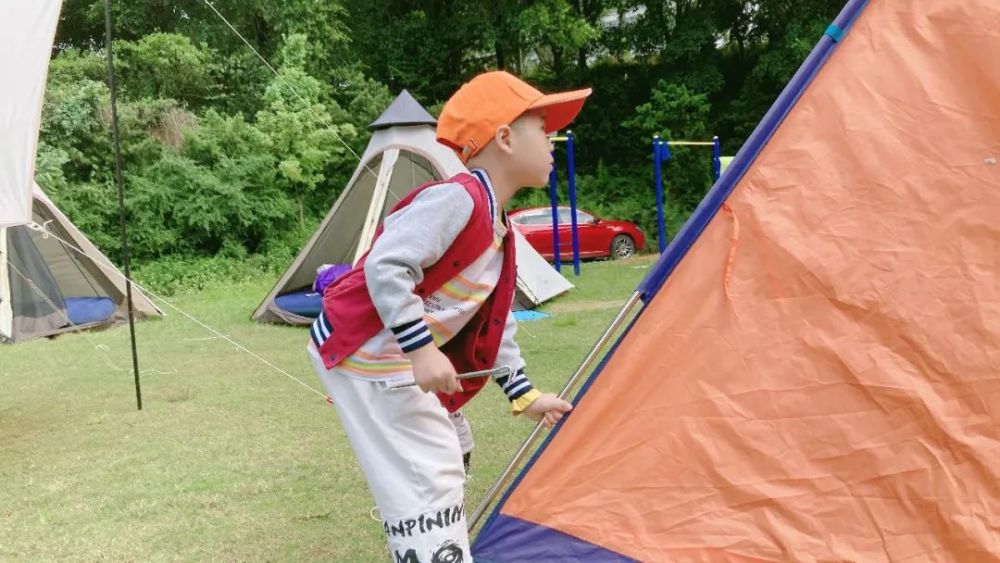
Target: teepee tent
(814, 373)
(403, 153)
(48, 287)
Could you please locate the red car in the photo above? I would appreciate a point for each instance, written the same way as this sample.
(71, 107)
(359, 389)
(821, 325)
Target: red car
(598, 237)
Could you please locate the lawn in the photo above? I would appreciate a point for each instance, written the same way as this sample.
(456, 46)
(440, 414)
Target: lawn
(229, 459)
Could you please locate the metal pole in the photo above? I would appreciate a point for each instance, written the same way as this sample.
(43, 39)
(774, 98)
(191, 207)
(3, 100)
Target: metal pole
(572, 202)
(554, 198)
(120, 184)
(529, 442)
(658, 179)
(716, 158)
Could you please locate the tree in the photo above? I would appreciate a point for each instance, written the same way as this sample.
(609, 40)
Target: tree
(300, 128)
(166, 65)
(674, 112)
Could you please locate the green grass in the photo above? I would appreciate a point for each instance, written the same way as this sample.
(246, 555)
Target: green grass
(228, 460)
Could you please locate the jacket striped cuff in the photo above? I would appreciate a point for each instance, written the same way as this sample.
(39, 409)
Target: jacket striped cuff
(412, 335)
(515, 386)
(320, 330)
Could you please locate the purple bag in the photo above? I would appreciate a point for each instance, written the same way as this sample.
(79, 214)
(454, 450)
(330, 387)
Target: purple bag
(327, 274)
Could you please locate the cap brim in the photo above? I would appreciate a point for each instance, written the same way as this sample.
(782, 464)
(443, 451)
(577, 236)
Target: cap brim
(561, 109)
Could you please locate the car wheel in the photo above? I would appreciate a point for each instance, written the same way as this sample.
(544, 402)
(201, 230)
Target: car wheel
(622, 246)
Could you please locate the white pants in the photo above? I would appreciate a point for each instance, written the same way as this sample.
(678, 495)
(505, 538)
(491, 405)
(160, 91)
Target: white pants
(463, 430)
(409, 451)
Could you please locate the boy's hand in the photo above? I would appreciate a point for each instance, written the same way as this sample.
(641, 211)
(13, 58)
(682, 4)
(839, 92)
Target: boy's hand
(432, 370)
(548, 408)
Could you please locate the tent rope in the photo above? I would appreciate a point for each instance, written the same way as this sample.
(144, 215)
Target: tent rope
(101, 349)
(295, 92)
(110, 268)
(76, 263)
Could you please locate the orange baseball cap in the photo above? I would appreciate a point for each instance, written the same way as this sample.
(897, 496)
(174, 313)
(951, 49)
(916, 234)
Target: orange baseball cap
(470, 118)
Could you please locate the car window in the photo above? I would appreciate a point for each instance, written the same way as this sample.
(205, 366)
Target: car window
(537, 218)
(582, 218)
(526, 218)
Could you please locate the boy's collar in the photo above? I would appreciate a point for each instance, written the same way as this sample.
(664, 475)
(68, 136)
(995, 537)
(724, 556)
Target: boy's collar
(484, 179)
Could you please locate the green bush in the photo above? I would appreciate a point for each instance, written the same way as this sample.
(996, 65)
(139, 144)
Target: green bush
(177, 274)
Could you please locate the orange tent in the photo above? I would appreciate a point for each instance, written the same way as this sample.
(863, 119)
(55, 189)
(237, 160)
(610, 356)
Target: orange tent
(815, 374)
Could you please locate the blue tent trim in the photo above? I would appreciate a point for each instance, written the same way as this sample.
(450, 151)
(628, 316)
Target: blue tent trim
(679, 247)
(513, 539)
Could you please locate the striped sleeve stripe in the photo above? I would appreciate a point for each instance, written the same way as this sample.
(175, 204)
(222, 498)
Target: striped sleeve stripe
(412, 335)
(516, 385)
(325, 329)
(402, 333)
(320, 330)
(315, 336)
(413, 344)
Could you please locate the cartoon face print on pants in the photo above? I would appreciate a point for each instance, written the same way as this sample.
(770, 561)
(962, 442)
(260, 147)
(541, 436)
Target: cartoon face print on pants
(450, 552)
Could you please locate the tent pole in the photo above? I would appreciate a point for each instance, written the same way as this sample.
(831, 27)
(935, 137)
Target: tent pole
(595, 353)
(121, 199)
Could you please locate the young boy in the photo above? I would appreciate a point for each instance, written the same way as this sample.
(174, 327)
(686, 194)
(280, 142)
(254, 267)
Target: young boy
(432, 299)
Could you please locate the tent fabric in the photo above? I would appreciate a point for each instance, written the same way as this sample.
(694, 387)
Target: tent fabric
(47, 288)
(538, 543)
(818, 378)
(37, 306)
(27, 30)
(402, 154)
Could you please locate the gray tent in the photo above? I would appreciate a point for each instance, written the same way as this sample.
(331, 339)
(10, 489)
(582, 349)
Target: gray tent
(403, 153)
(47, 288)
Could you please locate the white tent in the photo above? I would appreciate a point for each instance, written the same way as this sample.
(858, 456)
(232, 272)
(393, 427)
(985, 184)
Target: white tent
(403, 153)
(48, 286)
(27, 30)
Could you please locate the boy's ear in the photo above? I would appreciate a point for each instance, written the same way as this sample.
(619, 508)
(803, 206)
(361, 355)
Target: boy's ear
(502, 138)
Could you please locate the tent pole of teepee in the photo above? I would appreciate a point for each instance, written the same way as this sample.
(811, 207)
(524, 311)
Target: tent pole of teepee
(121, 200)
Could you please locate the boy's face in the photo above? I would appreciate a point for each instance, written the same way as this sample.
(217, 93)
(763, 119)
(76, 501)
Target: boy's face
(531, 150)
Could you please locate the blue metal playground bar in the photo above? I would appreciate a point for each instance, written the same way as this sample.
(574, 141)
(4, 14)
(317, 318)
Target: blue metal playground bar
(661, 154)
(554, 198)
(748, 153)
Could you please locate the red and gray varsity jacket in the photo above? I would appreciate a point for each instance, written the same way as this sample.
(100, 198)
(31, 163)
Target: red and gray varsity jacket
(352, 318)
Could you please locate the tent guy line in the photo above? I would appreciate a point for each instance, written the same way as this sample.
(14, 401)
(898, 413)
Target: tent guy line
(108, 267)
(291, 89)
(101, 351)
